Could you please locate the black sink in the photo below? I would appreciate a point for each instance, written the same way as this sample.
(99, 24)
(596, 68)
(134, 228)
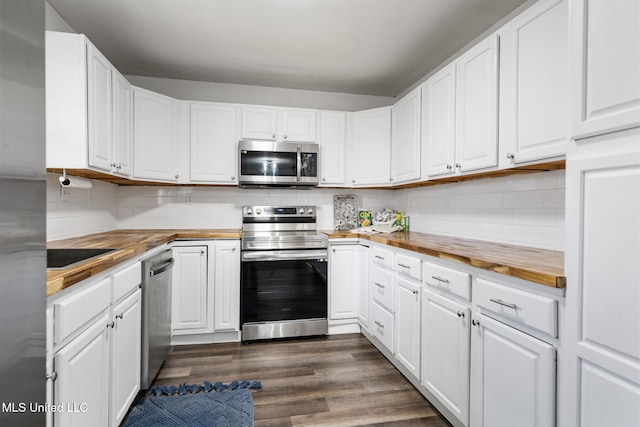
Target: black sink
(63, 258)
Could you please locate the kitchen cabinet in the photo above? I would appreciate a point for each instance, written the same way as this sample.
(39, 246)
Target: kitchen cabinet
(88, 107)
(605, 64)
(227, 286)
(534, 84)
(405, 138)
(382, 296)
(125, 355)
(363, 286)
(513, 376)
(155, 137)
(214, 139)
(333, 146)
(446, 352)
(371, 147)
(190, 299)
(460, 113)
(407, 324)
(343, 281)
(603, 305)
(279, 124)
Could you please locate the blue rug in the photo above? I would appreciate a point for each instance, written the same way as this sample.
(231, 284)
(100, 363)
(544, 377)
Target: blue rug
(184, 406)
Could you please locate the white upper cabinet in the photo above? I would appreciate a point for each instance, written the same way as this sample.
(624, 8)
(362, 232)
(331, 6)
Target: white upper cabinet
(438, 123)
(333, 147)
(477, 107)
(534, 84)
(405, 138)
(279, 124)
(214, 138)
(371, 147)
(605, 46)
(155, 136)
(88, 106)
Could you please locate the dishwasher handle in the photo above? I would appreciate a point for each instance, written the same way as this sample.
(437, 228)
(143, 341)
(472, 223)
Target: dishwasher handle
(162, 268)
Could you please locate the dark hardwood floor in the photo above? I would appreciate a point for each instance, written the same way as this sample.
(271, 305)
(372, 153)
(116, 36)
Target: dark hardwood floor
(339, 381)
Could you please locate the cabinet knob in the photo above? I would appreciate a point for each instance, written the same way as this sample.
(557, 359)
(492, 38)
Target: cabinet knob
(53, 376)
(274, 135)
(202, 252)
(233, 178)
(119, 166)
(177, 176)
(284, 137)
(460, 314)
(390, 179)
(113, 165)
(119, 316)
(475, 322)
(111, 324)
(233, 249)
(324, 179)
(353, 180)
(511, 156)
(415, 291)
(458, 165)
(449, 167)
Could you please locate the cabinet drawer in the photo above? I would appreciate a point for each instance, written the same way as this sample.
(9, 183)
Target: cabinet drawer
(382, 257)
(445, 279)
(523, 307)
(381, 285)
(71, 313)
(408, 266)
(126, 280)
(382, 325)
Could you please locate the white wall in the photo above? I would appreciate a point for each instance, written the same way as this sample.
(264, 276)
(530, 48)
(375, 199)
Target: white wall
(521, 209)
(79, 212)
(55, 22)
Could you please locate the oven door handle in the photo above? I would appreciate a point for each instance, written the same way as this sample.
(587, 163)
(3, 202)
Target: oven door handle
(284, 255)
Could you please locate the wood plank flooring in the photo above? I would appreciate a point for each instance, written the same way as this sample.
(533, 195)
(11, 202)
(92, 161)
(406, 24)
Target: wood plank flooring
(342, 380)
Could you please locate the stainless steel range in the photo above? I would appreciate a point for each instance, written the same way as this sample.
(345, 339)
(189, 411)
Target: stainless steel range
(284, 273)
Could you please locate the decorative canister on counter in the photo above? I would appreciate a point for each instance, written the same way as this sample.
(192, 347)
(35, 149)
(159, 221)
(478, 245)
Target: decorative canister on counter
(345, 212)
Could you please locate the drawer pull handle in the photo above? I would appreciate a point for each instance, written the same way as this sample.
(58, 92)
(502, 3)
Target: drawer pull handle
(506, 304)
(404, 266)
(380, 325)
(111, 324)
(440, 279)
(119, 316)
(460, 314)
(381, 258)
(415, 291)
(475, 322)
(380, 285)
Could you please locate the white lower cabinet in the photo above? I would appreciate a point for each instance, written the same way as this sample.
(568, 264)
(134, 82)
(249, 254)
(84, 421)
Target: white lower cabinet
(363, 286)
(190, 299)
(513, 377)
(408, 325)
(446, 352)
(227, 286)
(343, 281)
(125, 355)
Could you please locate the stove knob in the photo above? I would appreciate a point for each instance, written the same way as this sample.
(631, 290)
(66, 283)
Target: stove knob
(258, 211)
(310, 211)
(301, 211)
(248, 211)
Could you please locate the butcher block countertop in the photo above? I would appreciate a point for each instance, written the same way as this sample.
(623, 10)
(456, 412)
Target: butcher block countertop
(533, 264)
(130, 243)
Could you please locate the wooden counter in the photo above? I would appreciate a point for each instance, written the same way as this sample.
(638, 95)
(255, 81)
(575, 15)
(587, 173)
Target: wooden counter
(130, 243)
(533, 264)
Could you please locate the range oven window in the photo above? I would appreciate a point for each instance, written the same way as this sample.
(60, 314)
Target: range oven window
(268, 163)
(284, 290)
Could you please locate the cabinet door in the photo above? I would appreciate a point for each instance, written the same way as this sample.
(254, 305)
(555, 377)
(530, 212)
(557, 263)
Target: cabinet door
(122, 125)
(298, 125)
(259, 123)
(189, 295)
(343, 281)
(82, 386)
(363, 286)
(371, 147)
(214, 153)
(125, 356)
(333, 143)
(408, 325)
(155, 135)
(99, 109)
(227, 286)
(405, 138)
(438, 123)
(605, 43)
(534, 84)
(477, 107)
(515, 382)
(603, 307)
(445, 352)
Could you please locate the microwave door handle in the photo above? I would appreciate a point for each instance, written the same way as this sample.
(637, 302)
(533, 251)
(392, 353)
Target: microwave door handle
(298, 164)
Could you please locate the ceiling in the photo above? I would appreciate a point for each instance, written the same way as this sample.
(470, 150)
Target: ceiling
(372, 47)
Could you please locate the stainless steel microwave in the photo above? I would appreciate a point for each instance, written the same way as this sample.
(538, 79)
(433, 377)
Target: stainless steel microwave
(277, 164)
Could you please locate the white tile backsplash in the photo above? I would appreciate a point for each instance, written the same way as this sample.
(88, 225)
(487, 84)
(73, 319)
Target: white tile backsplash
(520, 209)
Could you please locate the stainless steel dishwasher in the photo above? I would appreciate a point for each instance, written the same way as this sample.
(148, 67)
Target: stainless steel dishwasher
(156, 314)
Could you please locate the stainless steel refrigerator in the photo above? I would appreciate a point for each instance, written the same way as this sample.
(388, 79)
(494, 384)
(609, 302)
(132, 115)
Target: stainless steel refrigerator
(22, 212)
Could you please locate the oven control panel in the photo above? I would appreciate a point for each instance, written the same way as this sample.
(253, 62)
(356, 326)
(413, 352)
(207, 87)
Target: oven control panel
(278, 211)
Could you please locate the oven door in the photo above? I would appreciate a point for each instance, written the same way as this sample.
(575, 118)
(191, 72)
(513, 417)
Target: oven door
(284, 293)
